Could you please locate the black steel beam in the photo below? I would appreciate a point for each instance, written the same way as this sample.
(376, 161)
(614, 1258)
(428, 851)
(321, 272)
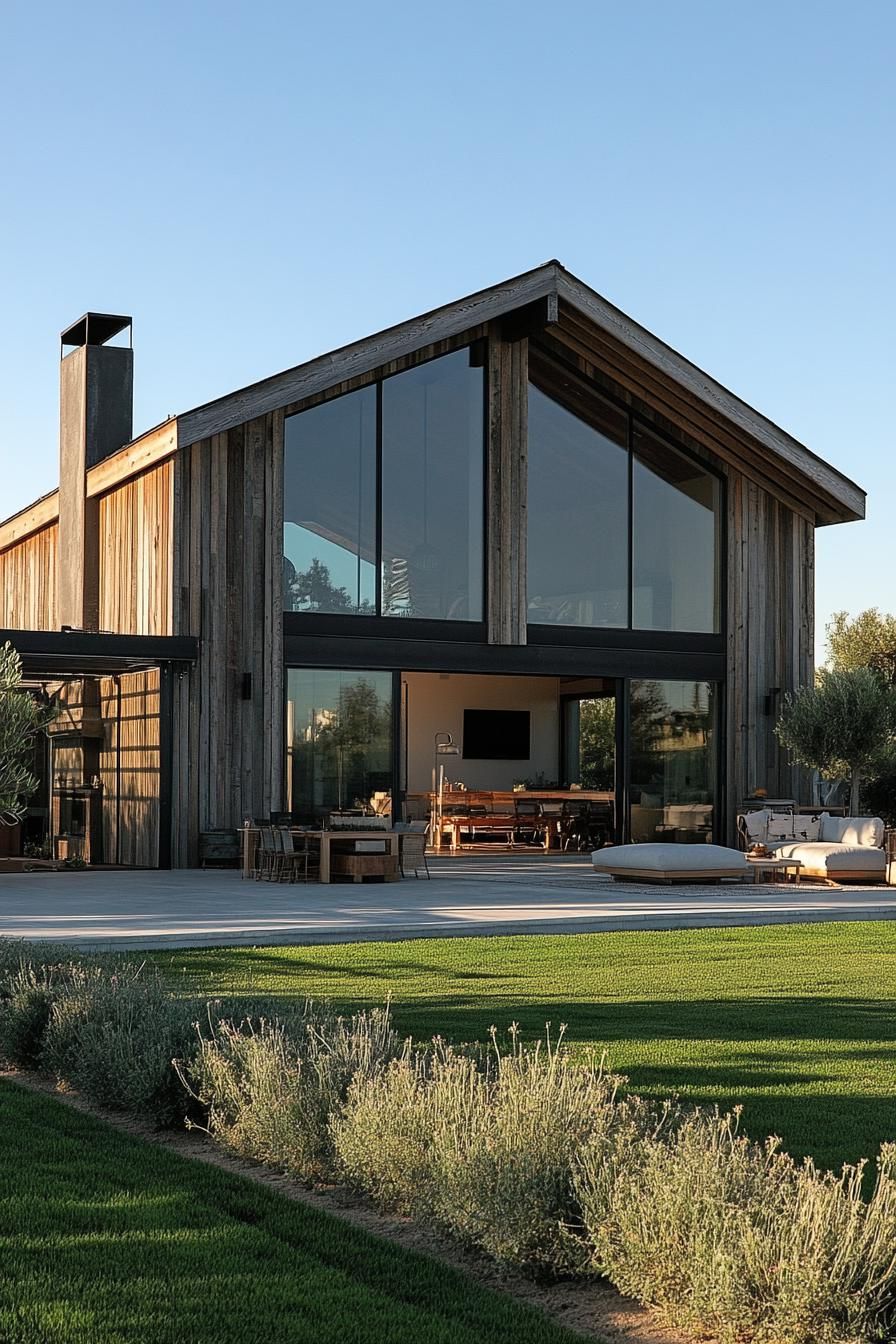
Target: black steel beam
(412, 655)
(74, 652)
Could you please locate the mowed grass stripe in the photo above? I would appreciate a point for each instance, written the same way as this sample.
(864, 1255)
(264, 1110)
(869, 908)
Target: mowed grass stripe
(795, 1022)
(107, 1239)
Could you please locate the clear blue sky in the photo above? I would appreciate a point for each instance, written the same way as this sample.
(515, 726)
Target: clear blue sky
(258, 183)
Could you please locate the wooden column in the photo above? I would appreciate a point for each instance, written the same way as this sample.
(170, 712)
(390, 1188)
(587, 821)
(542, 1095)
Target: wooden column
(771, 595)
(228, 710)
(508, 401)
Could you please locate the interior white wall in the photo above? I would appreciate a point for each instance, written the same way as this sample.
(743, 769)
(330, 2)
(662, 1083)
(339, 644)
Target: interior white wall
(436, 703)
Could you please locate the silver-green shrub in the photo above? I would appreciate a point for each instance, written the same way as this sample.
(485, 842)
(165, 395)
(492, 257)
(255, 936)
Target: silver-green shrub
(15, 955)
(383, 1134)
(26, 999)
(269, 1093)
(113, 1032)
(484, 1146)
(504, 1142)
(734, 1238)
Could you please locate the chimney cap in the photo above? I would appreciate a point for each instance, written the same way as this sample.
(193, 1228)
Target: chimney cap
(95, 329)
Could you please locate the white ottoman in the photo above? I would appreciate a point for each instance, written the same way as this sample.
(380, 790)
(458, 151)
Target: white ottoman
(669, 863)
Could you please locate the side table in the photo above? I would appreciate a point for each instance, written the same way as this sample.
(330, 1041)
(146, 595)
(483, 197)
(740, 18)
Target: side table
(770, 863)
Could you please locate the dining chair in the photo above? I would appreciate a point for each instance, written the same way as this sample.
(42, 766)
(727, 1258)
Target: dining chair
(527, 820)
(412, 853)
(265, 855)
(293, 858)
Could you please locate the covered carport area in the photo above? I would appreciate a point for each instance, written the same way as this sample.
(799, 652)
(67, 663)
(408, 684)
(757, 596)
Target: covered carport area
(105, 767)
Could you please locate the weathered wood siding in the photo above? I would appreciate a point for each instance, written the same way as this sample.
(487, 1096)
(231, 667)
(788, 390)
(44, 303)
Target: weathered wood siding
(228, 710)
(507, 455)
(135, 554)
(129, 768)
(771, 635)
(28, 582)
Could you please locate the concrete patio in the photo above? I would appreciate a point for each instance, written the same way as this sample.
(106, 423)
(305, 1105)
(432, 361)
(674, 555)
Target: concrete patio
(528, 893)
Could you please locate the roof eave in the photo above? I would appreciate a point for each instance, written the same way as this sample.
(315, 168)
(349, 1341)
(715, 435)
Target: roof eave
(839, 499)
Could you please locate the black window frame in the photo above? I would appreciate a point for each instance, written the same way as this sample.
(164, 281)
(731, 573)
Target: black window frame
(359, 623)
(632, 635)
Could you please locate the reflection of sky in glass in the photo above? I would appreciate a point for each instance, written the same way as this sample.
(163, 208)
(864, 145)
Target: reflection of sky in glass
(301, 547)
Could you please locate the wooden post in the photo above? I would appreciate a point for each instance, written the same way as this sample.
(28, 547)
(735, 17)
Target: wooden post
(507, 440)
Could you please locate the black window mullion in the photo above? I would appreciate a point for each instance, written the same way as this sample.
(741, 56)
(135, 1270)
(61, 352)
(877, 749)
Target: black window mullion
(379, 497)
(631, 522)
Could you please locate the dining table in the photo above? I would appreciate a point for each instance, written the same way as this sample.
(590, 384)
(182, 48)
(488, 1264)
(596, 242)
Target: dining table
(251, 836)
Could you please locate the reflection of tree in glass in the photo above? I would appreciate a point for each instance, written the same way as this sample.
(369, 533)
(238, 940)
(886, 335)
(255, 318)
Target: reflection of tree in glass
(649, 715)
(362, 717)
(312, 589)
(597, 743)
(354, 732)
(670, 754)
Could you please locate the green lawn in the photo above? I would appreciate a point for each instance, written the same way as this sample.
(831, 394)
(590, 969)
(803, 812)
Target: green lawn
(796, 1022)
(106, 1239)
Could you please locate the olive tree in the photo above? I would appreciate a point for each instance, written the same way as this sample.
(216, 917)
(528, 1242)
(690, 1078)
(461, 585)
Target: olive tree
(866, 640)
(843, 726)
(21, 719)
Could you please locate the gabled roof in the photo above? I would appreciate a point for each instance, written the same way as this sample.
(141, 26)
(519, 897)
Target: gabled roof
(759, 446)
(835, 497)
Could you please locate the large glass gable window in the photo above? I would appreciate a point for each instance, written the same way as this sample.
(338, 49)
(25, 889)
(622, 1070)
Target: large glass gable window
(623, 528)
(329, 506)
(578, 511)
(384, 500)
(432, 501)
(675, 544)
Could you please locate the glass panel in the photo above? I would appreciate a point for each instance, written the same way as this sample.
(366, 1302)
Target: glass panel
(329, 506)
(675, 548)
(339, 739)
(673, 760)
(590, 747)
(433, 491)
(578, 515)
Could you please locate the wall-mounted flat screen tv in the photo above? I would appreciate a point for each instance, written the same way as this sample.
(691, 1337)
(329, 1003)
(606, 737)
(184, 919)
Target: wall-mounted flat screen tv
(496, 735)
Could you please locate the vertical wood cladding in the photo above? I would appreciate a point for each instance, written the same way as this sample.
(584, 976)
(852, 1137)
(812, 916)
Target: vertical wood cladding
(228, 710)
(506, 457)
(135, 554)
(28, 572)
(771, 633)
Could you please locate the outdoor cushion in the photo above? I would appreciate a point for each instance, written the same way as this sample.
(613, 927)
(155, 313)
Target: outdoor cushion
(756, 824)
(853, 830)
(669, 862)
(831, 859)
(780, 826)
(806, 827)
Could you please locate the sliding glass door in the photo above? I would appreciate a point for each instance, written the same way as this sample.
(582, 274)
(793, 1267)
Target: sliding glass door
(339, 739)
(673, 761)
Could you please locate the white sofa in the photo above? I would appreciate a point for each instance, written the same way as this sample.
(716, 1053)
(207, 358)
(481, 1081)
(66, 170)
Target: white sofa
(835, 849)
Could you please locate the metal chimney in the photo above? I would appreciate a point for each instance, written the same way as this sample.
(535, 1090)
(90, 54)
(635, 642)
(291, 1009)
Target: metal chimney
(96, 403)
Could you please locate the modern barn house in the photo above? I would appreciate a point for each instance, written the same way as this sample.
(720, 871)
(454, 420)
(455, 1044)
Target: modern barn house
(518, 538)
